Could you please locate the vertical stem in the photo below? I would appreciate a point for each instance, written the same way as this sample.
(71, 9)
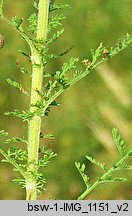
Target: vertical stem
(43, 19)
(37, 80)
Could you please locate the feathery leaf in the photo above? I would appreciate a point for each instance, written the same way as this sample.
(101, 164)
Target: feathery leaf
(118, 141)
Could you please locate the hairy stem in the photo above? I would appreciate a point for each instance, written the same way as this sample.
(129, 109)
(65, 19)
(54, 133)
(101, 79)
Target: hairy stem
(37, 80)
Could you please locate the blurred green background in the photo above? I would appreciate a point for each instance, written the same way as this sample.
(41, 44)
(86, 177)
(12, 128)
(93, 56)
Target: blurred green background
(89, 110)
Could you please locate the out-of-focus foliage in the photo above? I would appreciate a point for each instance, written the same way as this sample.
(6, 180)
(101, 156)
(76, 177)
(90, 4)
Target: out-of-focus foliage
(107, 176)
(89, 110)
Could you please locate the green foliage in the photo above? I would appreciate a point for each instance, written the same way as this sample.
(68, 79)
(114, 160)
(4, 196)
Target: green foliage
(54, 7)
(56, 36)
(17, 85)
(17, 22)
(102, 54)
(18, 158)
(42, 99)
(35, 4)
(25, 115)
(48, 154)
(119, 142)
(102, 166)
(55, 21)
(96, 54)
(17, 154)
(3, 133)
(81, 169)
(16, 139)
(107, 172)
(46, 136)
(61, 76)
(23, 70)
(32, 23)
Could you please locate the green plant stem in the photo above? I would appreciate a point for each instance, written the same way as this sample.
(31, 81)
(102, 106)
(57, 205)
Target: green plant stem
(102, 179)
(37, 80)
